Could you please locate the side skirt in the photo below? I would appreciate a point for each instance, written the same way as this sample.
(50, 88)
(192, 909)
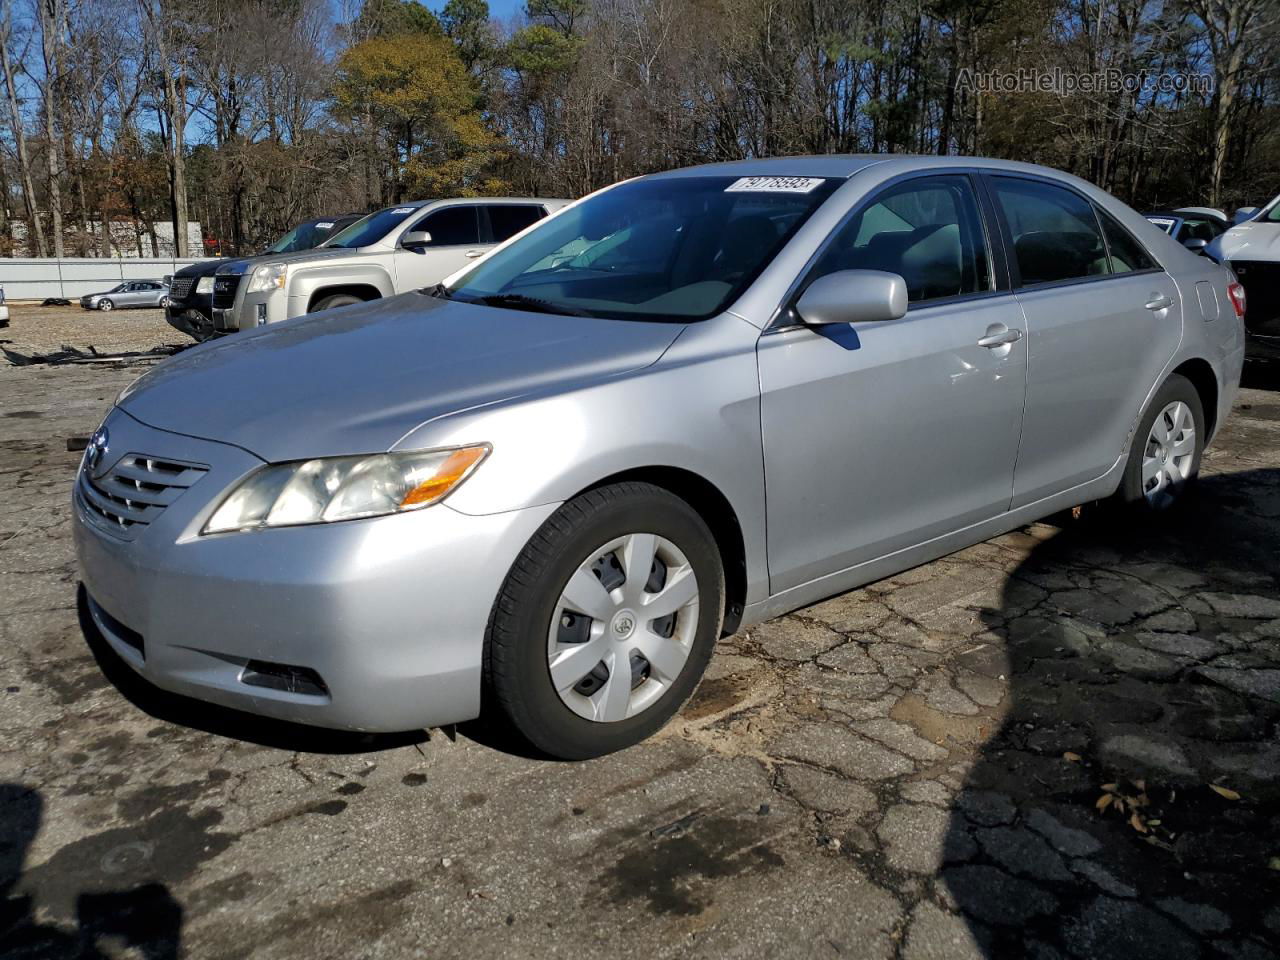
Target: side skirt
(881, 567)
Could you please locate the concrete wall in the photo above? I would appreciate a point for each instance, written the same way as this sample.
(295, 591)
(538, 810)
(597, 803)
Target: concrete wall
(35, 278)
(127, 239)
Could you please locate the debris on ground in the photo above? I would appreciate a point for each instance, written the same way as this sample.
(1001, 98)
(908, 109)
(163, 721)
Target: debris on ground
(68, 354)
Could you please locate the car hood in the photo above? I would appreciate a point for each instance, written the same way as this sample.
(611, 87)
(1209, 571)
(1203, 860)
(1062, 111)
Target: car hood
(1252, 240)
(204, 268)
(302, 257)
(358, 379)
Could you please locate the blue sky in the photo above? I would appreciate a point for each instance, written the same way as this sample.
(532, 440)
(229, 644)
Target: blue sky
(502, 9)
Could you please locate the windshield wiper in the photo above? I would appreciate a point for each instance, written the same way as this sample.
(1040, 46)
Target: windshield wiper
(518, 301)
(440, 291)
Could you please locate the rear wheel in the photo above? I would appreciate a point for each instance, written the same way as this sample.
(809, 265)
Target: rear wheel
(335, 300)
(606, 621)
(1165, 456)
(106, 305)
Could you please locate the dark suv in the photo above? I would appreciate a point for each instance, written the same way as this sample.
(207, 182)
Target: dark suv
(190, 306)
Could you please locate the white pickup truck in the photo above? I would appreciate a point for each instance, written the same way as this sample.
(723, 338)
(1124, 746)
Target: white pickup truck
(401, 248)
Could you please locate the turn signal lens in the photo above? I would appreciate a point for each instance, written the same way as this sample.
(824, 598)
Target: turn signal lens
(449, 474)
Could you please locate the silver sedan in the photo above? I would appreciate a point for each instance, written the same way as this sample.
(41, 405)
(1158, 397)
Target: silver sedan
(131, 294)
(678, 407)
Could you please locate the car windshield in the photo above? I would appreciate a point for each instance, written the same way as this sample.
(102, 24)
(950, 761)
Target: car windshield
(300, 237)
(675, 249)
(372, 228)
(1272, 213)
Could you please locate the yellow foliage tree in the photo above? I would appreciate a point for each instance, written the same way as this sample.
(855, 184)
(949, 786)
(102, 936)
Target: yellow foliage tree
(414, 95)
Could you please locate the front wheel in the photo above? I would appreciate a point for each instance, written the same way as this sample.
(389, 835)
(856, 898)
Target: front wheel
(164, 303)
(606, 621)
(1165, 456)
(336, 300)
(106, 305)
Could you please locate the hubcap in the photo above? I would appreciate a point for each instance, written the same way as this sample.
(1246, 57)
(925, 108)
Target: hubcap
(623, 627)
(1169, 455)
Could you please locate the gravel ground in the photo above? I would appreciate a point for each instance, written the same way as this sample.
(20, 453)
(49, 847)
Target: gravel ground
(917, 769)
(35, 330)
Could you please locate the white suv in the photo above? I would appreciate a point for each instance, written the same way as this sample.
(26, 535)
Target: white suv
(400, 248)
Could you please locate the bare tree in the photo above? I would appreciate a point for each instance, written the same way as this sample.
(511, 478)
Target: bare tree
(35, 228)
(163, 28)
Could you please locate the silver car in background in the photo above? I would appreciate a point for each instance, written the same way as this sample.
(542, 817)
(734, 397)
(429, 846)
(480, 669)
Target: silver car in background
(130, 295)
(678, 407)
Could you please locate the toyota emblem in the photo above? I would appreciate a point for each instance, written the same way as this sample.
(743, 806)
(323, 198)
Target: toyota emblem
(96, 449)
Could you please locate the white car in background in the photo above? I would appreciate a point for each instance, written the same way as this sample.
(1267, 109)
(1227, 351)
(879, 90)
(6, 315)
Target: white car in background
(4, 310)
(1252, 249)
(410, 246)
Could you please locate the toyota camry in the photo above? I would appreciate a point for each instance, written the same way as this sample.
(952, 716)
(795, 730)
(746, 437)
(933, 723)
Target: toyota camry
(682, 405)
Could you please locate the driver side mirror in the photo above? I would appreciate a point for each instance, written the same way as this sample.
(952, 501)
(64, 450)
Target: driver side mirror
(854, 296)
(1243, 214)
(415, 240)
(1195, 244)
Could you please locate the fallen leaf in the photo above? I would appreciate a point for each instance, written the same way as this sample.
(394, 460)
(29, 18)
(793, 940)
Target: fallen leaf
(1224, 792)
(1109, 787)
(1104, 801)
(1135, 821)
(1274, 863)
(1071, 757)
(1140, 784)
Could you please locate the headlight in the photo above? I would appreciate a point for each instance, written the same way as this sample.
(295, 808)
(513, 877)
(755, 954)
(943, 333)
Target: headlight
(268, 276)
(204, 285)
(344, 488)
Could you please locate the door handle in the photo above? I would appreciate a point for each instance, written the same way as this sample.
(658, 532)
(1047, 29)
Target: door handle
(1158, 302)
(472, 254)
(1000, 339)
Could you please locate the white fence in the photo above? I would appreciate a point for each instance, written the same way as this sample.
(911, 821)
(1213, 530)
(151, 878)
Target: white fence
(35, 278)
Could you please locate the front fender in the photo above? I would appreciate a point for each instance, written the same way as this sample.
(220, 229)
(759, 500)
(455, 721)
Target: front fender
(307, 281)
(697, 409)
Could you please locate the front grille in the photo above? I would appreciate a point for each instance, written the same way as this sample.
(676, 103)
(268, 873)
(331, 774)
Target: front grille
(135, 491)
(1261, 281)
(224, 292)
(180, 289)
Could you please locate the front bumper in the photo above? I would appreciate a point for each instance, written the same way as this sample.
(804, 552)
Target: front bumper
(389, 612)
(192, 321)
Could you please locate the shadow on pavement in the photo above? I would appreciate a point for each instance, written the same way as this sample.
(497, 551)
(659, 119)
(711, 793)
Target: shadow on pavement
(1146, 677)
(224, 721)
(144, 919)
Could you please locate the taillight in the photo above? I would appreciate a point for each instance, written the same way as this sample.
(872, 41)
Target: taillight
(1235, 293)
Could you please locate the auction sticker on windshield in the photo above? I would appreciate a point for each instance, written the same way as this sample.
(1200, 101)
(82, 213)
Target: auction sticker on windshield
(773, 185)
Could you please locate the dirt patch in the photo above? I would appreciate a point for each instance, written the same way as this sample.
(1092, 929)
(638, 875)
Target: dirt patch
(35, 330)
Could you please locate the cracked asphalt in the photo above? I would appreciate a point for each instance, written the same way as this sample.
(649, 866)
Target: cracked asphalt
(917, 769)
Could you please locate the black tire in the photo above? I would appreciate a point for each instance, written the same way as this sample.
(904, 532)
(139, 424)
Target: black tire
(336, 300)
(105, 304)
(164, 303)
(1132, 487)
(516, 666)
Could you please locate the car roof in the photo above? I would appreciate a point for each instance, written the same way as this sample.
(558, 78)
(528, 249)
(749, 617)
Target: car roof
(454, 201)
(1212, 212)
(846, 165)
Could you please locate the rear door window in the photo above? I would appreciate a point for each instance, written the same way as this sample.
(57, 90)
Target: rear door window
(1127, 254)
(1054, 232)
(508, 219)
(451, 227)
